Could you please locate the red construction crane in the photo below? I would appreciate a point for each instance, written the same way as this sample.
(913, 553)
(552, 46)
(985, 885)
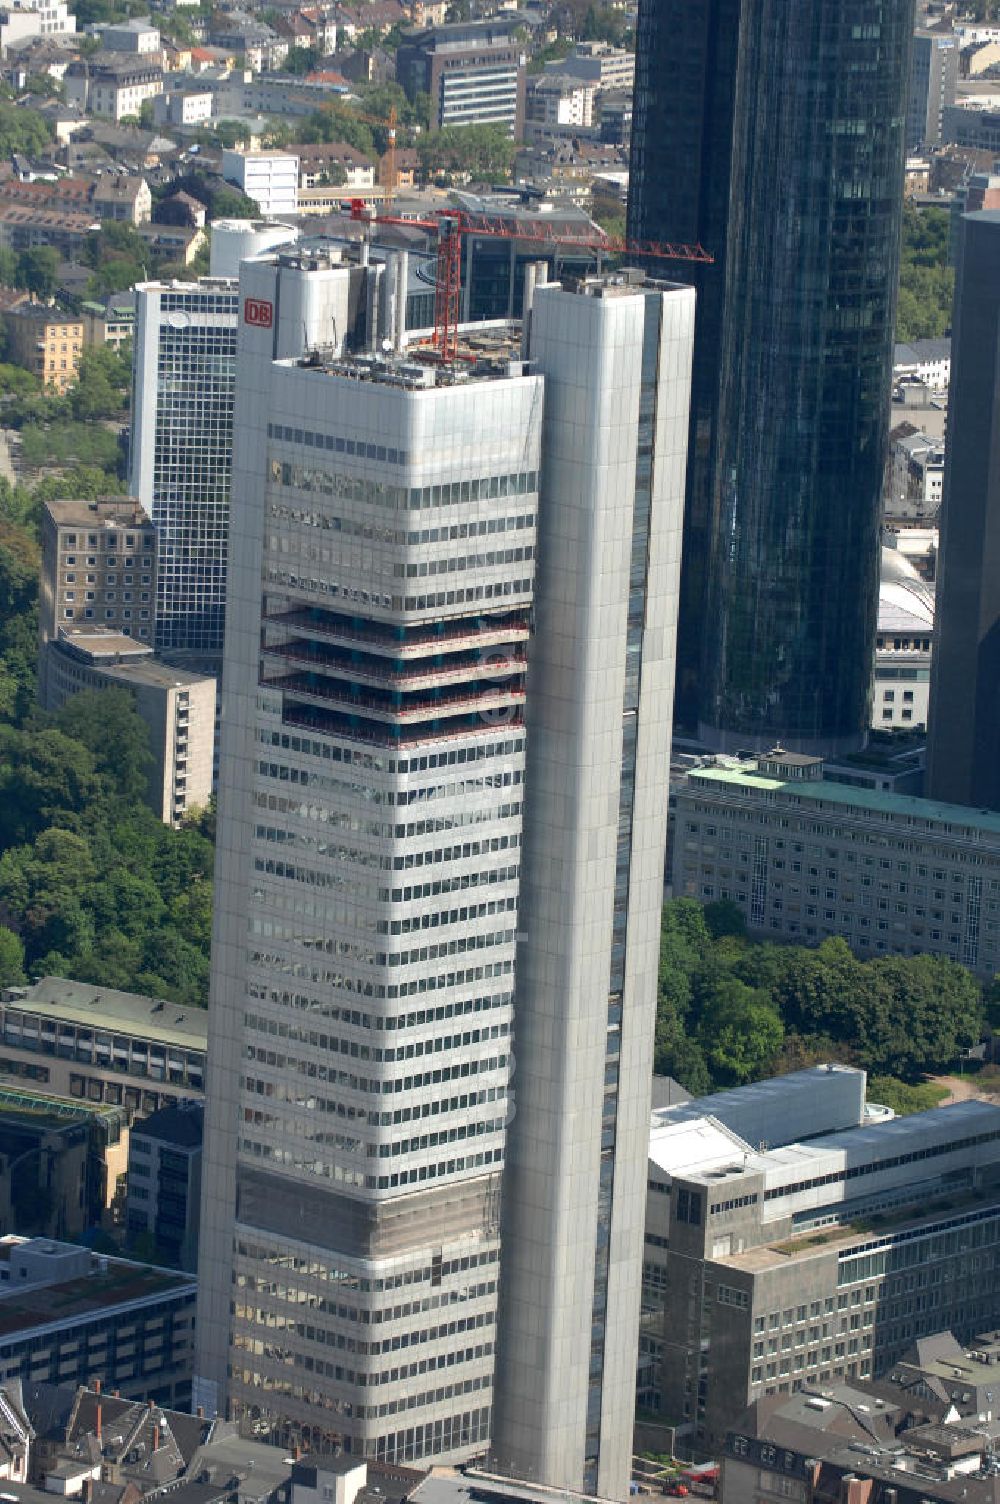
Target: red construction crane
(451, 224)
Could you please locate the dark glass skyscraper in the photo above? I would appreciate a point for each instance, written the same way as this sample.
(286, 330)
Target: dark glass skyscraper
(685, 82)
(794, 348)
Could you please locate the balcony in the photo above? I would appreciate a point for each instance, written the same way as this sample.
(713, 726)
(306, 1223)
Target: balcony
(498, 662)
(482, 698)
(425, 640)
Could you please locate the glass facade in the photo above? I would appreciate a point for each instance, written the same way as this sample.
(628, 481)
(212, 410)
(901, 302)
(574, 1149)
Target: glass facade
(685, 81)
(807, 105)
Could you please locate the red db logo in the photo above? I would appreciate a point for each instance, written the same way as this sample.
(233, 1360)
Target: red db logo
(258, 313)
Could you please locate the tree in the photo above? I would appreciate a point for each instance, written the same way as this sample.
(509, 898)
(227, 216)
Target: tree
(468, 151)
(103, 384)
(740, 1033)
(106, 722)
(43, 776)
(926, 281)
(301, 60)
(337, 123)
(11, 958)
(38, 269)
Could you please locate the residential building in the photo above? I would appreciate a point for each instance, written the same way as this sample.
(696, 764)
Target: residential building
(123, 198)
(183, 107)
(114, 84)
(62, 1163)
(71, 1316)
(817, 1259)
(806, 858)
(600, 64)
(111, 322)
(45, 340)
(972, 124)
(855, 1440)
(270, 178)
(903, 646)
(94, 1044)
(98, 566)
(256, 45)
(915, 475)
(22, 19)
(176, 703)
(164, 1183)
(934, 72)
(928, 360)
(409, 1196)
(23, 226)
(786, 356)
(130, 36)
(473, 72)
(615, 355)
(963, 749)
(180, 242)
(405, 1198)
(334, 163)
(560, 99)
(127, 1450)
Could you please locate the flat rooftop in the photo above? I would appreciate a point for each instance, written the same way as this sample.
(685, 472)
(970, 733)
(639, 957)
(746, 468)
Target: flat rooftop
(90, 1295)
(96, 643)
(120, 1012)
(863, 1235)
(906, 808)
(154, 674)
(106, 511)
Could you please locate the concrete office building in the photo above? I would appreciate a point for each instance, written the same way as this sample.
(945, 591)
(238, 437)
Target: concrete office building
(69, 1316)
(809, 1261)
(344, 720)
(473, 71)
(367, 868)
(963, 749)
(98, 567)
(807, 858)
(76, 1040)
(903, 646)
(177, 706)
(934, 71)
(738, 143)
(616, 361)
(164, 1182)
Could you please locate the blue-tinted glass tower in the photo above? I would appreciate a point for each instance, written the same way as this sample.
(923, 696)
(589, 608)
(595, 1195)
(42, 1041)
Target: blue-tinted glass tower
(808, 104)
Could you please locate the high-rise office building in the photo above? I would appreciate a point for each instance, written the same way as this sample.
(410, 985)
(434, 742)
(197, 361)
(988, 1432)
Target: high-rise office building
(933, 83)
(182, 434)
(963, 748)
(811, 118)
(617, 366)
(681, 192)
(369, 865)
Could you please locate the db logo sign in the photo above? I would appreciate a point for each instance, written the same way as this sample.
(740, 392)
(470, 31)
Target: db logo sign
(258, 313)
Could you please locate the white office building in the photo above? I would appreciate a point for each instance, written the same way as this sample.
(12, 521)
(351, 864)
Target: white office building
(367, 875)
(270, 178)
(184, 377)
(616, 359)
(369, 864)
